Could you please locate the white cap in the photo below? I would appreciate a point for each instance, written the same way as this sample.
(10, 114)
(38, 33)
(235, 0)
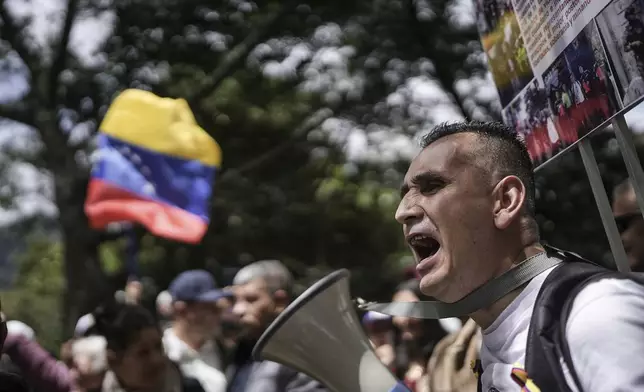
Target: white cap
(15, 327)
(84, 324)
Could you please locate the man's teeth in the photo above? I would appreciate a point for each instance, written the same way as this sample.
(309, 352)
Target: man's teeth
(422, 240)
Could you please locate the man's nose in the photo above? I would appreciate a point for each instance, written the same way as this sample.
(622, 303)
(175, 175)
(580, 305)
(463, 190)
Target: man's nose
(407, 211)
(239, 308)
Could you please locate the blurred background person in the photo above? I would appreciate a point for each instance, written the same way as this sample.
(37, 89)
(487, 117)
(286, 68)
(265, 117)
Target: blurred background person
(381, 334)
(134, 355)
(415, 338)
(450, 366)
(12, 379)
(164, 309)
(262, 291)
(190, 340)
(230, 328)
(89, 361)
(629, 223)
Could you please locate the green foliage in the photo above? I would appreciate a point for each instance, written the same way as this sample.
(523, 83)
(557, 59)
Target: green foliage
(36, 298)
(287, 188)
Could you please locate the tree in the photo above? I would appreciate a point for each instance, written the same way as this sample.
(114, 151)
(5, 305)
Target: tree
(279, 84)
(36, 298)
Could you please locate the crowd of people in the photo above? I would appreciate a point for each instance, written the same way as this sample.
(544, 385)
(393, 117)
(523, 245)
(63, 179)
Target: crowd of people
(467, 210)
(201, 336)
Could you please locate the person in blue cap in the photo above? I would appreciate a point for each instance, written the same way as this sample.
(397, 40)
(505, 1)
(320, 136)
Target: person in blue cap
(190, 340)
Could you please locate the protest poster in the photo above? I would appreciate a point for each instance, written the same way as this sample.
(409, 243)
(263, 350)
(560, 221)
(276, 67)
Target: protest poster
(562, 68)
(622, 28)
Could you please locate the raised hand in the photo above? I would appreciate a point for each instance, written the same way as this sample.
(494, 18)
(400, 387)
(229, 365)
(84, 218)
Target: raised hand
(449, 367)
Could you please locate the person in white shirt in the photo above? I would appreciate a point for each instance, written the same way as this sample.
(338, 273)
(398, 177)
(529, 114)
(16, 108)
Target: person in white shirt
(468, 215)
(189, 341)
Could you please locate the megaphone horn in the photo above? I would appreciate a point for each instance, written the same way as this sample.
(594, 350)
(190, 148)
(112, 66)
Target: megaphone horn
(319, 334)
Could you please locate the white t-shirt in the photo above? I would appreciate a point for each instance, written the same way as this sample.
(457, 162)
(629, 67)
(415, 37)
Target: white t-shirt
(203, 365)
(605, 334)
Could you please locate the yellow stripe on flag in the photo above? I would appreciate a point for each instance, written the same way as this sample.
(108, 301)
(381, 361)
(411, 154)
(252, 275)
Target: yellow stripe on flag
(162, 125)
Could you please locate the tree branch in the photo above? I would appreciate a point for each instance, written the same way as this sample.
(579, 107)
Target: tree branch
(444, 74)
(14, 113)
(32, 158)
(309, 124)
(60, 57)
(238, 54)
(12, 33)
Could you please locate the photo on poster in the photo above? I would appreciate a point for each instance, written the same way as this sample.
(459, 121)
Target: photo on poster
(621, 25)
(580, 94)
(504, 46)
(530, 115)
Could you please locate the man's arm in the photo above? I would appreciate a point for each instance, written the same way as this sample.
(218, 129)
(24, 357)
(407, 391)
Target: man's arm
(605, 334)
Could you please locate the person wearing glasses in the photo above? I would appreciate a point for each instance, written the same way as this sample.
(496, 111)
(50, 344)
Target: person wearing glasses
(630, 224)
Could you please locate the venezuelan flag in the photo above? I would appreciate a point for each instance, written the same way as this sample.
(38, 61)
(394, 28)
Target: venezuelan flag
(154, 166)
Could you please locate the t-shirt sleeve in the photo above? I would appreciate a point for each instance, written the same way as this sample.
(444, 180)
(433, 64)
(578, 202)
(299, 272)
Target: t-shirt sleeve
(605, 334)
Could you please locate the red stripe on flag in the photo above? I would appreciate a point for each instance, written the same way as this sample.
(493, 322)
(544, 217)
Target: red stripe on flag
(107, 203)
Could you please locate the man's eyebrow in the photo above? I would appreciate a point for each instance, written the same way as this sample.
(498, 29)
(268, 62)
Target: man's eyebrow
(421, 178)
(404, 188)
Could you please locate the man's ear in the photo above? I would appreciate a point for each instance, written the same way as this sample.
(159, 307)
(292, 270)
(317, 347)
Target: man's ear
(509, 195)
(281, 299)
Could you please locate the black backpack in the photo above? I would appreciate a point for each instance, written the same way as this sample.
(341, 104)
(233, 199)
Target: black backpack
(546, 342)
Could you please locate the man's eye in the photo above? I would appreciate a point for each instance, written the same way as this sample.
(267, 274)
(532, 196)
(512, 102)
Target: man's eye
(430, 187)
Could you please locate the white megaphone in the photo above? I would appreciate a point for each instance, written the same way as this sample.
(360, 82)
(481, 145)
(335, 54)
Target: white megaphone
(319, 334)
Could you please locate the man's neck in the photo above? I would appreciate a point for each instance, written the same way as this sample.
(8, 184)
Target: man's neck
(193, 339)
(485, 317)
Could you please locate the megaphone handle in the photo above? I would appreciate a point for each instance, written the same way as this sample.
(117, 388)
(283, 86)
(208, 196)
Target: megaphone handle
(400, 387)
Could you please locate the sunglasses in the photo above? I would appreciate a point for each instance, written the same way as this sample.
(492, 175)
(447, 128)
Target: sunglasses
(625, 221)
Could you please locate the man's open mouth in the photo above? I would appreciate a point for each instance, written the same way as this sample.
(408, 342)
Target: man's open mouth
(423, 245)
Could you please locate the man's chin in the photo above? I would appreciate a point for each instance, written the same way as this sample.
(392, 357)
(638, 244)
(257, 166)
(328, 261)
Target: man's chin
(251, 331)
(430, 285)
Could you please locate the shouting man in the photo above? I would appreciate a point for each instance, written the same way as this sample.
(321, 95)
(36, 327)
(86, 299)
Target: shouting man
(468, 214)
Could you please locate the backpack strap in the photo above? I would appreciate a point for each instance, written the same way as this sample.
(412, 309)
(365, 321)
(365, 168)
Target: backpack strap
(547, 344)
(543, 346)
(565, 349)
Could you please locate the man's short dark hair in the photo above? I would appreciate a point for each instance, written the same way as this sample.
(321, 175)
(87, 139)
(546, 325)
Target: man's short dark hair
(501, 143)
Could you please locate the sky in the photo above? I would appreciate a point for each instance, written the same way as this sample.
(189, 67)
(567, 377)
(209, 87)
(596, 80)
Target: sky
(427, 101)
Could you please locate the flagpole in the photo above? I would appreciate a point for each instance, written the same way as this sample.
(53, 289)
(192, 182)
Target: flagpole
(131, 256)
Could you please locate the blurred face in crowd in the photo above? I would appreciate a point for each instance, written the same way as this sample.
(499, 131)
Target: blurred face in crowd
(229, 322)
(85, 357)
(631, 226)
(87, 381)
(411, 329)
(379, 332)
(453, 211)
(143, 364)
(202, 317)
(256, 306)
